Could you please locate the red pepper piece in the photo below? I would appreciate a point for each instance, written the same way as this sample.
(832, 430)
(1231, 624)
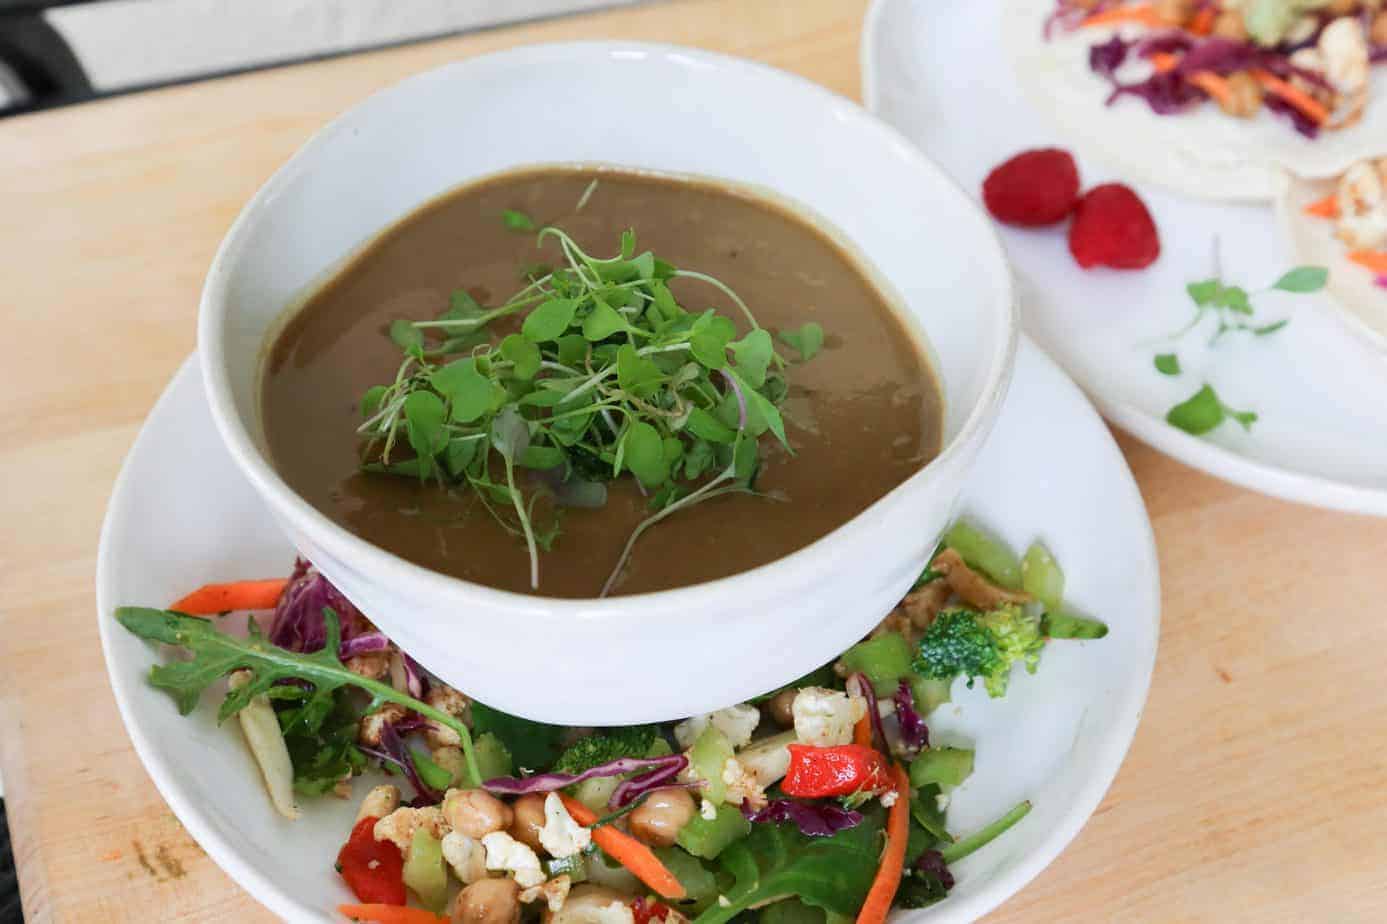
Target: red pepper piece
(374, 870)
(838, 771)
(644, 911)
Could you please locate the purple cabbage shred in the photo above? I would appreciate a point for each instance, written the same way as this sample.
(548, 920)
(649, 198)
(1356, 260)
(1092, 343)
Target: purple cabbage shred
(1106, 57)
(298, 619)
(365, 643)
(1380, 282)
(1166, 93)
(914, 731)
(814, 819)
(864, 689)
(552, 782)
(1303, 123)
(661, 777)
(393, 750)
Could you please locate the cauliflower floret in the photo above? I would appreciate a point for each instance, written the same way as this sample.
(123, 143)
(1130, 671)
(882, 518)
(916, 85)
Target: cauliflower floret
(554, 892)
(561, 835)
(592, 904)
(373, 665)
(379, 802)
(399, 826)
(446, 699)
(825, 718)
(505, 853)
(1363, 205)
(735, 722)
(742, 785)
(1344, 45)
(465, 856)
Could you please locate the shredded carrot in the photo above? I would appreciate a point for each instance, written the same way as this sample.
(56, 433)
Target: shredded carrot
(862, 732)
(1310, 107)
(1144, 13)
(1328, 207)
(1164, 61)
(888, 877)
(391, 914)
(211, 599)
(1375, 260)
(639, 859)
(1212, 84)
(1203, 22)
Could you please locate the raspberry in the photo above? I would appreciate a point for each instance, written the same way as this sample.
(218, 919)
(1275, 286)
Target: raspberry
(1113, 228)
(1033, 189)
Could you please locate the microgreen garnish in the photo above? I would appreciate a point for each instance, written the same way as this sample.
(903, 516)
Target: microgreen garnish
(516, 220)
(1204, 410)
(1232, 305)
(1168, 364)
(608, 374)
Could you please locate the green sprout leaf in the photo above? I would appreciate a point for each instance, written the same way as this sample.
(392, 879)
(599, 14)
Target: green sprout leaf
(516, 220)
(1303, 279)
(807, 341)
(1204, 411)
(549, 320)
(753, 353)
(1168, 364)
(523, 354)
(406, 335)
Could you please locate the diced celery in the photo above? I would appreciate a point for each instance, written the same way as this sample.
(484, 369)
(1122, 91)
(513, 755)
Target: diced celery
(792, 911)
(1067, 625)
(493, 759)
(930, 693)
(424, 872)
(704, 838)
(431, 773)
(597, 792)
(573, 867)
(1041, 576)
(885, 660)
(707, 757)
(700, 886)
(985, 553)
(659, 748)
(945, 766)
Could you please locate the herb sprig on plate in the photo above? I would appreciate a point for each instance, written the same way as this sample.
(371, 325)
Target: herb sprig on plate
(607, 374)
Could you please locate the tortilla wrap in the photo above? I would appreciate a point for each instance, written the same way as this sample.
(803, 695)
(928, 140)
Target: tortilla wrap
(1202, 152)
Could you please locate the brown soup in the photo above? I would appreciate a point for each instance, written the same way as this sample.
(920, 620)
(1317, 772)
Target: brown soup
(862, 416)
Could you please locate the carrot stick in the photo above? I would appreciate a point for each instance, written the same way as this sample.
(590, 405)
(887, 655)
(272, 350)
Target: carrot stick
(211, 599)
(1164, 61)
(862, 732)
(391, 914)
(1212, 84)
(1144, 13)
(1328, 207)
(1375, 260)
(888, 877)
(1310, 107)
(627, 851)
(1203, 22)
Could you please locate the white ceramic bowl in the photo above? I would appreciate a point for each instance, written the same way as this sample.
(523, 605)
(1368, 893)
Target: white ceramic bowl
(664, 108)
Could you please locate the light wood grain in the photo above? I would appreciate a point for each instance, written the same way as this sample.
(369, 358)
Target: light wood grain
(1256, 789)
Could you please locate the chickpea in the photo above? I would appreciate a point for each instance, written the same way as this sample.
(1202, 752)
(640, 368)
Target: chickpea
(487, 901)
(476, 813)
(1245, 96)
(1378, 31)
(780, 707)
(528, 813)
(1229, 25)
(660, 818)
(379, 802)
(1175, 12)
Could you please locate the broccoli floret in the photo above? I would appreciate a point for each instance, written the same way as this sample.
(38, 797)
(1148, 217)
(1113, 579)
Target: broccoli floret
(986, 645)
(606, 745)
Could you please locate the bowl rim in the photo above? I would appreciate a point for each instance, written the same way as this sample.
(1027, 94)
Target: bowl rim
(390, 570)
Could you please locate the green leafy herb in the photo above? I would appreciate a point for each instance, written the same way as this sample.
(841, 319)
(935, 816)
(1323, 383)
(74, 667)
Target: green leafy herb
(1168, 364)
(532, 745)
(1303, 279)
(1204, 411)
(215, 654)
(608, 375)
(776, 861)
(516, 220)
(321, 742)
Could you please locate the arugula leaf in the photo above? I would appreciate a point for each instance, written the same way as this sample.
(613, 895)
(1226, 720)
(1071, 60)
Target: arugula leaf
(776, 861)
(532, 745)
(216, 654)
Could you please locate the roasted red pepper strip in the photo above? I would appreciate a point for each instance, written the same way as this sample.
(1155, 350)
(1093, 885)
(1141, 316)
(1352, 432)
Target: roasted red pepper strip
(374, 870)
(838, 771)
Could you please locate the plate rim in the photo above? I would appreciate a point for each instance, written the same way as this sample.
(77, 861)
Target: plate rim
(1109, 755)
(1276, 481)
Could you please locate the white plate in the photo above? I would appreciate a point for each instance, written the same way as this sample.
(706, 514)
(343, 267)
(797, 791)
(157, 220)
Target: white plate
(937, 71)
(181, 515)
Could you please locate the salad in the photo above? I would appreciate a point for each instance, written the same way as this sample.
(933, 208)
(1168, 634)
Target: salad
(1306, 60)
(819, 801)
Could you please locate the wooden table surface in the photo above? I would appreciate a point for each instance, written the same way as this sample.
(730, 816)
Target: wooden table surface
(1256, 789)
